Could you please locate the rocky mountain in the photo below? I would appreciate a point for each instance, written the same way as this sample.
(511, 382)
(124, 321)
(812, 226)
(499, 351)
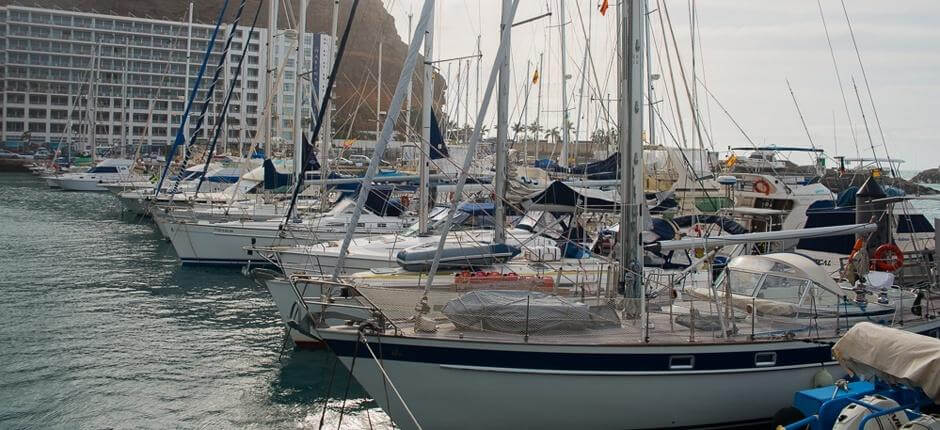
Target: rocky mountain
(356, 80)
(929, 176)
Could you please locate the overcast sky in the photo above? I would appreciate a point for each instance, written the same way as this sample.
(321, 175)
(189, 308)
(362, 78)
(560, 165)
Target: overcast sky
(747, 52)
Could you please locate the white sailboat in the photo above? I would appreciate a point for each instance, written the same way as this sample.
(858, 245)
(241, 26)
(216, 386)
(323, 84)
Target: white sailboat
(731, 355)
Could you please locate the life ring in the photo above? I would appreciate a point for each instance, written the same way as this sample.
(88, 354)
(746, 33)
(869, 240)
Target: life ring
(888, 258)
(762, 186)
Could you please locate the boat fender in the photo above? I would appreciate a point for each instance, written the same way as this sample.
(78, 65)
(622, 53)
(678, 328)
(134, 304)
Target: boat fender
(822, 378)
(888, 258)
(762, 186)
(786, 416)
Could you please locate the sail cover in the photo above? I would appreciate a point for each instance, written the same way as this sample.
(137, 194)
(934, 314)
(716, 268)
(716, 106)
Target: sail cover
(525, 312)
(272, 178)
(438, 148)
(559, 197)
(379, 203)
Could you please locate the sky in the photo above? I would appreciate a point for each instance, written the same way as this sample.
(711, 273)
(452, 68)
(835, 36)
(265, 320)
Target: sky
(745, 53)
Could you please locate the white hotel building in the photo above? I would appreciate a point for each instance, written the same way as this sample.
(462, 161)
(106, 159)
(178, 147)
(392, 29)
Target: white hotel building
(139, 73)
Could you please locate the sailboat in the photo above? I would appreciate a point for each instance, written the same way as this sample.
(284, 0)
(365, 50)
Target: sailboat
(629, 359)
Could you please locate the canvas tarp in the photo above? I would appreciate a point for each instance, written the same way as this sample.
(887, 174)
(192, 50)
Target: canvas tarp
(892, 355)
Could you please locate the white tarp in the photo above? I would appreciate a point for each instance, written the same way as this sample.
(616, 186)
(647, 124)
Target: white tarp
(892, 355)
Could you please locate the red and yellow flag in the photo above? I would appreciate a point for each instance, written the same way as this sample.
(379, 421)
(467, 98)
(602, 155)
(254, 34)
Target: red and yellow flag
(604, 5)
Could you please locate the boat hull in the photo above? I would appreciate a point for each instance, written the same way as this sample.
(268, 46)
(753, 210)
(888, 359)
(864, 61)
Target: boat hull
(81, 184)
(511, 386)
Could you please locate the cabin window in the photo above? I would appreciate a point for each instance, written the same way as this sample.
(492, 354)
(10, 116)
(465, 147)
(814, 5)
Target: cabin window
(743, 283)
(782, 289)
(362, 224)
(681, 362)
(381, 225)
(765, 359)
(104, 169)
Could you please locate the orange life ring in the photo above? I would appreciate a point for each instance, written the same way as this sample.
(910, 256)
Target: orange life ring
(888, 258)
(762, 186)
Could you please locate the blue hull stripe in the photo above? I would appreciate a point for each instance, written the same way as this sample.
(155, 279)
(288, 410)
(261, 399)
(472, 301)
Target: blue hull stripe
(813, 353)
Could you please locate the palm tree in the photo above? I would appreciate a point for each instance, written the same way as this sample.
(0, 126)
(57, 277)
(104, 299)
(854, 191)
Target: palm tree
(517, 127)
(535, 128)
(553, 134)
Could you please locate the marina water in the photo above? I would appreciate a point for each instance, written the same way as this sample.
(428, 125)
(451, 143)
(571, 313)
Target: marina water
(100, 327)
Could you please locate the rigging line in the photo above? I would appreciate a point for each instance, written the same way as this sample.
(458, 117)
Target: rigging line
(180, 135)
(210, 96)
(684, 79)
(800, 113)
(221, 118)
(865, 123)
(331, 81)
(701, 54)
(675, 89)
(871, 98)
(835, 66)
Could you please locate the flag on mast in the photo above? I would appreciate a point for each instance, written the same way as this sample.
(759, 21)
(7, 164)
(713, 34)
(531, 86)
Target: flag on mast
(535, 77)
(604, 5)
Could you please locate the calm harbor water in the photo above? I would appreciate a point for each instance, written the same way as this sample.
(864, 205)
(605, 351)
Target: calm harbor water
(101, 328)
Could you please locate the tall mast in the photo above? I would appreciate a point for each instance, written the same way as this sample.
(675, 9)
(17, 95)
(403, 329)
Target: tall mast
(378, 96)
(327, 142)
(502, 128)
(525, 113)
(269, 76)
(466, 100)
(410, 85)
(584, 72)
(298, 89)
(564, 88)
(426, 106)
(649, 75)
(538, 108)
(631, 156)
(476, 100)
(124, 99)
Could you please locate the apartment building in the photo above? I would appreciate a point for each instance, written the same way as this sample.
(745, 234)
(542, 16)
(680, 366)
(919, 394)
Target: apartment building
(104, 80)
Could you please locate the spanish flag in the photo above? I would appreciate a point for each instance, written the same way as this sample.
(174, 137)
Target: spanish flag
(535, 77)
(604, 6)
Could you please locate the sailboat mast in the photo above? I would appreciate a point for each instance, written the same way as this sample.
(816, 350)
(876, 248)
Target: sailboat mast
(410, 85)
(269, 75)
(298, 89)
(563, 161)
(426, 106)
(327, 141)
(631, 156)
(502, 129)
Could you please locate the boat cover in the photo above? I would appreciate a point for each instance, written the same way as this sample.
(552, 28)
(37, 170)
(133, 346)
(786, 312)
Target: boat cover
(508, 312)
(420, 258)
(558, 197)
(892, 355)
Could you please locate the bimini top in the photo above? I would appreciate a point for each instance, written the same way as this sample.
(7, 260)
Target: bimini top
(777, 148)
(789, 265)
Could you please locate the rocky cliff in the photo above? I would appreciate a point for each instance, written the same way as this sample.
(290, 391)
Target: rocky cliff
(356, 80)
(929, 176)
